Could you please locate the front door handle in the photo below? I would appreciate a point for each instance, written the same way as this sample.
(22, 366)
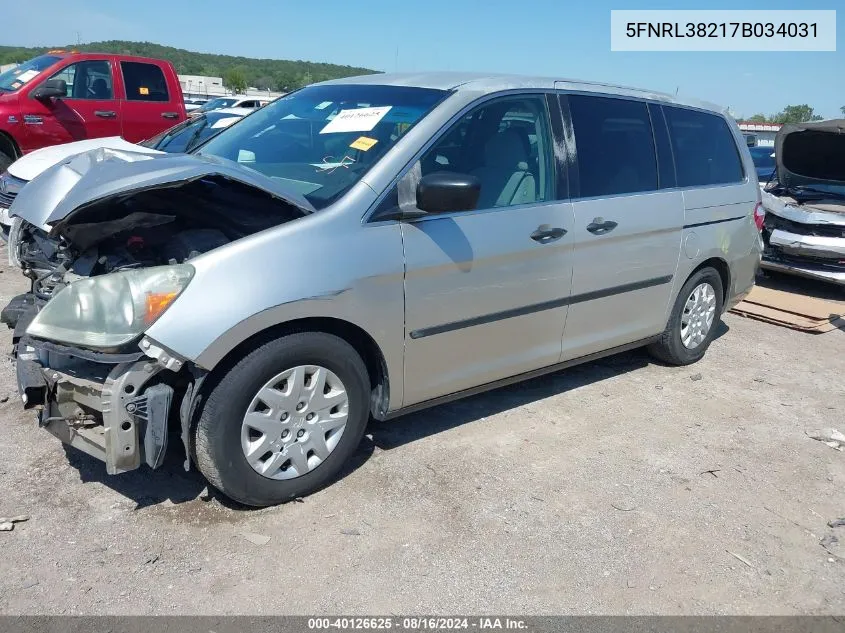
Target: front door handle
(105, 114)
(170, 115)
(545, 234)
(600, 226)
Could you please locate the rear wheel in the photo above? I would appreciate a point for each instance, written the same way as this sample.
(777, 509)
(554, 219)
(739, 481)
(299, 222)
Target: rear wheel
(692, 323)
(283, 421)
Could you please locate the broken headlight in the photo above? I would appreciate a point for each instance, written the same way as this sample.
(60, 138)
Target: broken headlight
(110, 310)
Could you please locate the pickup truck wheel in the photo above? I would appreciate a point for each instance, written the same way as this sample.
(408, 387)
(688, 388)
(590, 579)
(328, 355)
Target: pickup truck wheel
(693, 321)
(5, 161)
(283, 421)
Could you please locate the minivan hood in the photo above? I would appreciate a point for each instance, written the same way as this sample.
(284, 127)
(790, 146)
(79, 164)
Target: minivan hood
(50, 200)
(811, 153)
(34, 163)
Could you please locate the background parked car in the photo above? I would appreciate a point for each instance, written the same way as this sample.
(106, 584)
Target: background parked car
(62, 97)
(180, 138)
(236, 101)
(194, 104)
(764, 162)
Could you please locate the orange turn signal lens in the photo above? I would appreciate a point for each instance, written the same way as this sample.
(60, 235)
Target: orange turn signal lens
(156, 303)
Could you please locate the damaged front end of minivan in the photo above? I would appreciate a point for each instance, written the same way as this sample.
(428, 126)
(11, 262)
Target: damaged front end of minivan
(804, 227)
(107, 239)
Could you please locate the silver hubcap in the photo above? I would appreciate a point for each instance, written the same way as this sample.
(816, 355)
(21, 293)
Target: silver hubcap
(294, 422)
(699, 312)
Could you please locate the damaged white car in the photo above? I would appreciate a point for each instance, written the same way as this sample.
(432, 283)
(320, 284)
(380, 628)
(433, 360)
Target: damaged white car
(804, 227)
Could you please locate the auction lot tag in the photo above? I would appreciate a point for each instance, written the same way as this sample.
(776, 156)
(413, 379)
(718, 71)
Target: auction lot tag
(27, 75)
(364, 143)
(358, 120)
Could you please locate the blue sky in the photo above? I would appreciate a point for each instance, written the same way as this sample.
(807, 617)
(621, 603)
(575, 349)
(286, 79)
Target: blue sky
(543, 37)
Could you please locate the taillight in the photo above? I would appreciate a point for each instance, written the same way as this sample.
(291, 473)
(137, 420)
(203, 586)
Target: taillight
(759, 215)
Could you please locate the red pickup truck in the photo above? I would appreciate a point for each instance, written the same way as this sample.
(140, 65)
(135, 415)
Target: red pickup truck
(63, 96)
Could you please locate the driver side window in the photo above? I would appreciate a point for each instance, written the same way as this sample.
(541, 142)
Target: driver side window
(90, 79)
(504, 143)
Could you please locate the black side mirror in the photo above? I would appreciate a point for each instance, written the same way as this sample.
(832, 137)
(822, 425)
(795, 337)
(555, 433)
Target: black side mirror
(52, 88)
(446, 191)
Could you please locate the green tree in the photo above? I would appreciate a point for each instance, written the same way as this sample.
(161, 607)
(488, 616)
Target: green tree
(842, 110)
(264, 82)
(758, 118)
(796, 114)
(234, 80)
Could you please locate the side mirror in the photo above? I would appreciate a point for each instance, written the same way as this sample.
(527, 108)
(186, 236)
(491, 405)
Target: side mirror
(52, 88)
(446, 191)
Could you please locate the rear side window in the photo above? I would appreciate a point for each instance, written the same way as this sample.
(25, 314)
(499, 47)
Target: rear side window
(144, 82)
(704, 148)
(615, 146)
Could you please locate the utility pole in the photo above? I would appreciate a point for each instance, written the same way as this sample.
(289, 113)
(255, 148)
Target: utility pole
(78, 38)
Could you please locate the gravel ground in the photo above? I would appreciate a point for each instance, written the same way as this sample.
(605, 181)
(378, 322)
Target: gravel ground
(621, 487)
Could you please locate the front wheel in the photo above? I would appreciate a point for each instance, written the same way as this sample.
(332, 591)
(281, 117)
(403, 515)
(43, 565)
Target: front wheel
(284, 420)
(692, 323)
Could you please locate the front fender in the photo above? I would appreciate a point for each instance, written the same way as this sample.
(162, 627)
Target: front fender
(320, 266)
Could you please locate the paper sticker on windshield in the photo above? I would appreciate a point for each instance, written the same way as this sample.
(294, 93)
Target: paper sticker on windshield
(27, 75)
(143, 90)
(224, 122)
(364, 143)
(358, 120)
(16, 85)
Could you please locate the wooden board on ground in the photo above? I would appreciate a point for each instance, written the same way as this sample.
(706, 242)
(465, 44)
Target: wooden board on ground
(799, 312)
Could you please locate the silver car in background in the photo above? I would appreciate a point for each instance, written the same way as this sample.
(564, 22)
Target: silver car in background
(804, 229)
(367, 247)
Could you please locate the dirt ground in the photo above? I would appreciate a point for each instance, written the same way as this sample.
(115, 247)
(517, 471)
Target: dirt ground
(621, 487)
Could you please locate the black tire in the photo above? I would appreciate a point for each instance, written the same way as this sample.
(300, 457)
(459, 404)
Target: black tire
(669, 348)
(5, 161)
(217, 443)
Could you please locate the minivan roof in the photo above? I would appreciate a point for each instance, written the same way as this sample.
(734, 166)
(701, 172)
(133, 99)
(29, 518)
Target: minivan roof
(488, 82)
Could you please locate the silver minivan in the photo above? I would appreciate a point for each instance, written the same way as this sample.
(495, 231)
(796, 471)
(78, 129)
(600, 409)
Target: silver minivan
(364, 248)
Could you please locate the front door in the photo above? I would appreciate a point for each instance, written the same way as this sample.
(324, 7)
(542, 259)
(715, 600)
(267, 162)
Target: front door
(486, 290)
(628, 224)
(89, 110)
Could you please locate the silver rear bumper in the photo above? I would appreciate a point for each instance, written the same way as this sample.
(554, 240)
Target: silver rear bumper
(809, 272)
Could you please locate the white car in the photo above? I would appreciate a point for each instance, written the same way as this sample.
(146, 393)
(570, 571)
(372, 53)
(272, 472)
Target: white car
(180, 138)
(235, 101)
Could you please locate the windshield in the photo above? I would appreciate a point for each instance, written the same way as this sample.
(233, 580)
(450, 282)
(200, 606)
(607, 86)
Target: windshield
(319, 141)
(216, 104)
(16, 77)
(763, 156)
(188, 134)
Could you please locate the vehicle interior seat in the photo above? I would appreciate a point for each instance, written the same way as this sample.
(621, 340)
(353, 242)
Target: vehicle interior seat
(505, 177)
(100, 89)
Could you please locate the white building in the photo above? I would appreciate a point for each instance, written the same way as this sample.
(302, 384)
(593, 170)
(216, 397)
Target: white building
(199, 86)
(762, 134)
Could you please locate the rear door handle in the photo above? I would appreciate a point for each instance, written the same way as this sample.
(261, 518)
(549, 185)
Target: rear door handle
(545, 234)
(600, 226)
(105, 114)
(170, 115)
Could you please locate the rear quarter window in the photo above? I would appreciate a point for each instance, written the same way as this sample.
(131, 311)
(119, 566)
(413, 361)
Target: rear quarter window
(144, 82)
(704, 148)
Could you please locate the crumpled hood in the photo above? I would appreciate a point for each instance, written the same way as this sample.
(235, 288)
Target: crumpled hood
(35, 163)
(50, 200)
(811, 153)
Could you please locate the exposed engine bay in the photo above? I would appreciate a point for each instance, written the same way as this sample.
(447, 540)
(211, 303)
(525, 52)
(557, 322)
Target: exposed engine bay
(164, 225)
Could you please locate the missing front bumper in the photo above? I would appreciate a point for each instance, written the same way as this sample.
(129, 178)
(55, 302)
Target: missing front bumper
(115, 411)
